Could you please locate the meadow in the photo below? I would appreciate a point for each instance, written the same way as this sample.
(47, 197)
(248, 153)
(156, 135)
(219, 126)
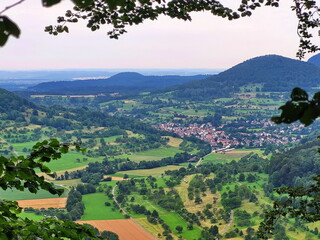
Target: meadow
(11, 194)
(230, 156)
(152, 154)
(95, 208)
(155, 172)
(170, 218)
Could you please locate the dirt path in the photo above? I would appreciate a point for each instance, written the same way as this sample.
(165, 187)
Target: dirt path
(229, 223)
(201, 159)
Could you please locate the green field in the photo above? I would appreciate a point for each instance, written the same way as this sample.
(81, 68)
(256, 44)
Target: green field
(152, 154)
(31, 216)
(170, 218)
(150, 172)
(20, 146)
(19, 195)
(95, 208)
(68, 161)
(229, 156)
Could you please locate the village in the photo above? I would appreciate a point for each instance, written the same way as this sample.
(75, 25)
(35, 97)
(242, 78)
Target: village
(236, 134)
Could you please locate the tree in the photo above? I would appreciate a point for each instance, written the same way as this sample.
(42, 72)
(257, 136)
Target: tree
(20, 173)
(179, 228)
(214, 230)
(120, 14)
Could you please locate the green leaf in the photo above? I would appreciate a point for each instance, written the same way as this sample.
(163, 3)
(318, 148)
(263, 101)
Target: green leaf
(299, 94)
(82, 3)
(49, 3)
(291, 112)
(316, 97)
(11, 27)
(307, 117)
(7, 28)
(113, 4)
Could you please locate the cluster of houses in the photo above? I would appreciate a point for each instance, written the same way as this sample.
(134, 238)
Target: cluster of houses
(264, 133)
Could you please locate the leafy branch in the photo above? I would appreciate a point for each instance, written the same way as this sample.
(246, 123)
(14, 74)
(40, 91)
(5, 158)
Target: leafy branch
(303, 203)
(19, 173)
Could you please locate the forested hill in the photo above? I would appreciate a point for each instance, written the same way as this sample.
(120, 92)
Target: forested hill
(118, 82)
(296, 166)
(272, 72)
(12, 102)
(21, 111)
(315, 60)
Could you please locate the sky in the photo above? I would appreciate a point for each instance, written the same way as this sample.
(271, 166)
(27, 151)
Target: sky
(206, 42)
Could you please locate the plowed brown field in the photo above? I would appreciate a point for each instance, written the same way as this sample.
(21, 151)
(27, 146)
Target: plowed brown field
(115, 178)
(125, 228)
(43, 203)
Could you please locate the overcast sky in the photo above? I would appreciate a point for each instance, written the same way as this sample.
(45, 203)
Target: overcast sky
(206, 42)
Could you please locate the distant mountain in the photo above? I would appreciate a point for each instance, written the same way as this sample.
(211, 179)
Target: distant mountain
(117, 82)
(272, 72)
(315, 60)
(10, 101)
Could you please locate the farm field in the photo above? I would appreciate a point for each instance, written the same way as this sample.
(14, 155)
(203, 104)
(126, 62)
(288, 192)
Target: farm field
(43, 203)
(125, 228)
(68, 183)
(155, 172)
(152, 154)
(154, 229)
(229, 156)
(68, 161)
(95, 208)
(25, 195)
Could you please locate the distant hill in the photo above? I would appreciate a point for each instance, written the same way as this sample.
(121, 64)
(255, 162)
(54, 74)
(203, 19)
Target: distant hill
(10, 101)
(274, 73)
(118, 82)
(315, 60)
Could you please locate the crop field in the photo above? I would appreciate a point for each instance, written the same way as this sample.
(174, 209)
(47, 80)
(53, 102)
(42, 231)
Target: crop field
(114, 178)
(150, 172)
(152, 154)
(229, 156)
(154, 229)
(125, 228)
(95, 208)
(68, 183)
(43, 203)
(25, 195)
